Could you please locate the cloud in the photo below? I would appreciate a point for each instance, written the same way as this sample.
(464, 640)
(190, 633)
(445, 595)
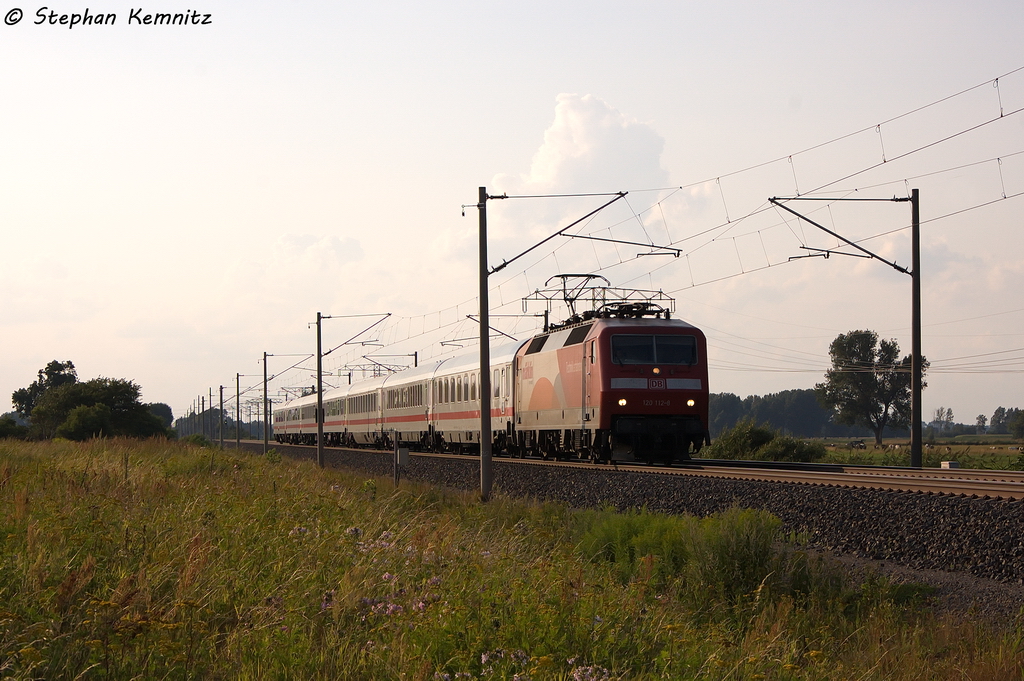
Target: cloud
(591, 146)
(315, 253)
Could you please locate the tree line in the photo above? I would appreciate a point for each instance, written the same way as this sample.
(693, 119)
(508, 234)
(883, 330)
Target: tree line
(866, 391)
(1003, 422)
(58, 404)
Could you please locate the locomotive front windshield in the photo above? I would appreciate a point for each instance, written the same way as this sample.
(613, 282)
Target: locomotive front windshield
(651, 349)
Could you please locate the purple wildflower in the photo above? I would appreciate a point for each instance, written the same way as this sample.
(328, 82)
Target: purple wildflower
(591, 673)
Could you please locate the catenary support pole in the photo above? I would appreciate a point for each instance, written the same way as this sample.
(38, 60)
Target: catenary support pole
(319, 395)
(485, 358)
(238, 411)
(265, 434)
(202, 407)
(916, 356)
(220, 427)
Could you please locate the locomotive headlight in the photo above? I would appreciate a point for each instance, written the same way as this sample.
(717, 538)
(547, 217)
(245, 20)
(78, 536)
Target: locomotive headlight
(690, 403)
(656, 370)
(622, 402)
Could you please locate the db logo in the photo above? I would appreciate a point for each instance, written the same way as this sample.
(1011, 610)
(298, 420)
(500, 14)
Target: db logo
(656, 383)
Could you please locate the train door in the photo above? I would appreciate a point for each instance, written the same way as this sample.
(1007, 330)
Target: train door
(378, 410)
(436, 401)
(586, 399)
(504, 390)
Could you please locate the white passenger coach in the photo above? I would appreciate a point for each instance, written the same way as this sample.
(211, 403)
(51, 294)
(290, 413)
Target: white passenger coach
(434, 406)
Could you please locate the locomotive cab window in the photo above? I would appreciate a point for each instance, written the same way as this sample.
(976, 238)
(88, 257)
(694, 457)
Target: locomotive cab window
(650, 349)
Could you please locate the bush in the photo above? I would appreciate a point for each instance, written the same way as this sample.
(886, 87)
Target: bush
(785, 448)
(85, 422)
(624, 539)
(760, 443)
(196, 440)
(733, 554)
(730, 557)
(10, 428)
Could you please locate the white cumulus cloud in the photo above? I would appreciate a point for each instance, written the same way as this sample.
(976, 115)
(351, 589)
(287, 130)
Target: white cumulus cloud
(591, 146)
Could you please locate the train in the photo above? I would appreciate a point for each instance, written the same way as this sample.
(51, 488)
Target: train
(624, 383)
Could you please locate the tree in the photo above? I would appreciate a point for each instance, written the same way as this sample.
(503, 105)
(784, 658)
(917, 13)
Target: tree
(868, 383)
(724, 411)
(53, 375)
(1015, 422)
(943, 419)
(11, 428)
(86, 422)
(59, 411)
(163, 412)
(998, 423)
(981, 422)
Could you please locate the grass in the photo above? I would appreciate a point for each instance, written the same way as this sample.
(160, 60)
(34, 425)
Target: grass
(168, 560)
(985, 457)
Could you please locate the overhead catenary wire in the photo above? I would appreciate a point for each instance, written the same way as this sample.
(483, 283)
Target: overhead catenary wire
(397, 334)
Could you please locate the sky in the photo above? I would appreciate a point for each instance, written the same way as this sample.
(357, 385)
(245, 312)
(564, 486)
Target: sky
(176, 200)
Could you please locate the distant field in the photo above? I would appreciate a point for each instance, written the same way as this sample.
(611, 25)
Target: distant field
(980, 439)
(159, 560)
(1006, 455)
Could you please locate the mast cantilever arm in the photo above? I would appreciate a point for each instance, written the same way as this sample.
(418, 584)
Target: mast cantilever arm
(893, 265)
(506, 263)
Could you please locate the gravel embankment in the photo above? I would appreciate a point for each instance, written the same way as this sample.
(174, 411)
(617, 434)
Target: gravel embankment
(916, 532)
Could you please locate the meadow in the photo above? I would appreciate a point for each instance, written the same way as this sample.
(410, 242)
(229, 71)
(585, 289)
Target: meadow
(126, 559)
(896, 452)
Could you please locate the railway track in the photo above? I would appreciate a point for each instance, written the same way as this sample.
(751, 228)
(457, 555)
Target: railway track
(956, 482)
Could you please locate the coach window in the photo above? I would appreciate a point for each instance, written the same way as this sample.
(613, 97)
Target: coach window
(472, 387)
(495, 386)
(458, 389)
